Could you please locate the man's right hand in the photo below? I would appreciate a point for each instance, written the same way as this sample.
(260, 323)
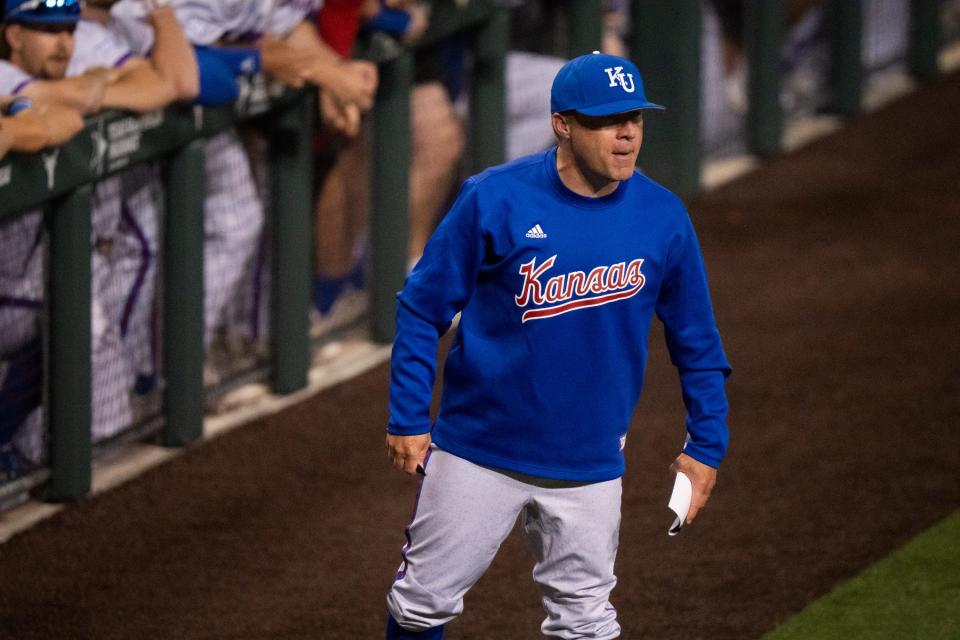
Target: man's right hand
(408, 452)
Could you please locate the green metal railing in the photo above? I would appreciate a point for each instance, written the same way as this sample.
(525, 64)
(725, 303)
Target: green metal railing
(666, 46)
(60, 180)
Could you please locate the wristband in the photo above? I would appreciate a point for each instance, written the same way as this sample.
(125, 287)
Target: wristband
(17, 105)
(394, 22)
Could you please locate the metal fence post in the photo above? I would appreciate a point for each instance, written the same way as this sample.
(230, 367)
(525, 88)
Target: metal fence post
(183, 323)
(488, 108)
(844, 25)
(70, 407)
(924, 38)
(764, 29)
(584, 25)
(291, 161)
(389, 224)
(666, 48)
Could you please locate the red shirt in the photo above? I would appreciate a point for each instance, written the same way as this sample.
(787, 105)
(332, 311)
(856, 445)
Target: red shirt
(338, 22)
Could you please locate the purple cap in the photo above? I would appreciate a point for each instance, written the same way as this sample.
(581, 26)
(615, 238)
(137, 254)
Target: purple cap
(599, 84)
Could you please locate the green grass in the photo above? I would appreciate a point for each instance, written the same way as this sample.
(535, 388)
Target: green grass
(913, 594)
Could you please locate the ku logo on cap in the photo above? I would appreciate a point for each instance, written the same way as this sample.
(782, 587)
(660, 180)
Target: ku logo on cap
(617, 76)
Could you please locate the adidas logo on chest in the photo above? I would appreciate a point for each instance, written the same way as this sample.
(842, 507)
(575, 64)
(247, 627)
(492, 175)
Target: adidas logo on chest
(536, 232)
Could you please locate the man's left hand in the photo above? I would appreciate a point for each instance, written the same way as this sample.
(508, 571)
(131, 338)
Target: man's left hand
(702, 478)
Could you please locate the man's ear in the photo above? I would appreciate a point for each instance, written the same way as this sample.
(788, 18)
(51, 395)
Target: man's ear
(12, 39)
(561, 126)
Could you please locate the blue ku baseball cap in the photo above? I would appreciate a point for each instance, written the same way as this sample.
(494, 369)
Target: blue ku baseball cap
(599, 84)
(41, 11)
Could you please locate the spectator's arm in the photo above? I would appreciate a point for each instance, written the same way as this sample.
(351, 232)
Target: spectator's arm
(282, 62)
(83, 93)
(38, 127)
(351, 81)
(139, 87)
(173, 57)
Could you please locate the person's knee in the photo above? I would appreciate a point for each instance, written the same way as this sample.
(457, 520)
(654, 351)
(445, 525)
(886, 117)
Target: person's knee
(438, 136)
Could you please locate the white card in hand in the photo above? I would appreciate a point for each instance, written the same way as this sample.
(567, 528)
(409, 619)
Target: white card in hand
(680, 502)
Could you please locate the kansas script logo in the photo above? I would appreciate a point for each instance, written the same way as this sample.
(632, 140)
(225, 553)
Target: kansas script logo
(575, 290)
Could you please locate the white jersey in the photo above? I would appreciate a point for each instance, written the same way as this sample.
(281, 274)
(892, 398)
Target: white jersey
(12, 78)
(207, 22)
(97, 46)
(136, 33)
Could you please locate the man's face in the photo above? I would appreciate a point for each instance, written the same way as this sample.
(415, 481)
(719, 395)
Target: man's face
(43, 51)
(606, 147)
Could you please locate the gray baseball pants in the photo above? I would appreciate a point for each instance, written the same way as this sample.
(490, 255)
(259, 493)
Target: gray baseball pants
(463, 514)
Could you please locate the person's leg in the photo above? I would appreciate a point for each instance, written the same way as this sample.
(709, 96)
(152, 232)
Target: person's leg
(110, 376)
(437, 141)
(233, 221)
(22, 249)
(135, 266)
(463, 514)
(574, 533)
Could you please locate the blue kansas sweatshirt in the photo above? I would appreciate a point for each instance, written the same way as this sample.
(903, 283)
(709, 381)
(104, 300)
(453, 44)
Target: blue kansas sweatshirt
(557, 292)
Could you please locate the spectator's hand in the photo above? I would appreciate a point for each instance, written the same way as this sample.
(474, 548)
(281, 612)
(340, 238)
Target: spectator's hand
(355, 82)
(62, 122)
(344, 118)
(96, 80)
(408, 452)
(702, 478)
(419, 21)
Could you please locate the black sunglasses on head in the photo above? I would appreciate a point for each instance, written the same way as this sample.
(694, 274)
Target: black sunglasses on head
(50, 27)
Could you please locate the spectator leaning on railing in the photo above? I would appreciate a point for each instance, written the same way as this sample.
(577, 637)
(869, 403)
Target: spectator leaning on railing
(243, 36)
(27, 127)
(287, 46)
(153, 78)
(55, 57)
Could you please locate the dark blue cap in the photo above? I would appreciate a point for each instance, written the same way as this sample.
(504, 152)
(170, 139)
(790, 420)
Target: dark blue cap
(41, 11)
(599, 84)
